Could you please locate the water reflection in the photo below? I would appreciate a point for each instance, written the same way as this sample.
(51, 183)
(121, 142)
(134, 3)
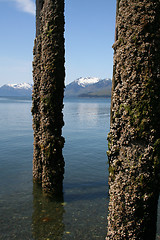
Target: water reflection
(47, 217)
(88, 113)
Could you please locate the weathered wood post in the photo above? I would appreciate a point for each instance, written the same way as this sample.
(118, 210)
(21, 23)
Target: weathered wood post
(48, 92)
(134, 138)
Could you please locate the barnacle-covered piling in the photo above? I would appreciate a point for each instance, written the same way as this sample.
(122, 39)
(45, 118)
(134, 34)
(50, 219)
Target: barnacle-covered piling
(48, 92)
(134, 138)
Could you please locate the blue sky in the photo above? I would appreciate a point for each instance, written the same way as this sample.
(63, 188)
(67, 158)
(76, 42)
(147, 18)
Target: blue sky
(89, 35)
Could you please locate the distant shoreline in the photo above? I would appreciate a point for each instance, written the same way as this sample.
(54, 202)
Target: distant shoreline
(77, 97)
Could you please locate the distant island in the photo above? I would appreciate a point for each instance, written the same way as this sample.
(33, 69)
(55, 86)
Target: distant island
(82, 87)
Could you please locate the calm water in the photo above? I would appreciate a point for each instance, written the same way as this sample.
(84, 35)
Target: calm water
(25, 212)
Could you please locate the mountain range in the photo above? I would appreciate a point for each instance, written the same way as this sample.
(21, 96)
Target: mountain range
(82, 87)
(89, 87)
(16, 90)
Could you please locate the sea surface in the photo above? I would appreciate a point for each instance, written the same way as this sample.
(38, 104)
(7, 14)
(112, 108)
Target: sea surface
(25, 213)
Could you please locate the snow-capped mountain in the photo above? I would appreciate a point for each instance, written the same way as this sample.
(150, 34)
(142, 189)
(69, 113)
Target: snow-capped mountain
(86, 81)
(20, 86)
(89, 87)
(82, 87)
(21, 89)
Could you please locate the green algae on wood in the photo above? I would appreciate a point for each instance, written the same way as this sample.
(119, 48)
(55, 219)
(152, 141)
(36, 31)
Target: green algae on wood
(48, 92)
(134, 155)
